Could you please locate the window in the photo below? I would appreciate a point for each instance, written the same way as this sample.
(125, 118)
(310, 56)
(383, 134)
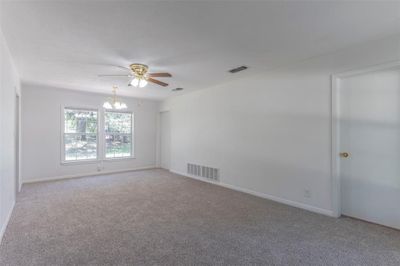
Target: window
(80, 134)
(118, 134)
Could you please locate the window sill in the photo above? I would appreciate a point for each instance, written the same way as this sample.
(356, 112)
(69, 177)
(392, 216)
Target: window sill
(119, 159)
(80, 162)
(97, 161)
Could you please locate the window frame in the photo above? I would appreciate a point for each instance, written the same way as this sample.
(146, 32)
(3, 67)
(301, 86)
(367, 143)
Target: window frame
(98, 135)
(132, 135)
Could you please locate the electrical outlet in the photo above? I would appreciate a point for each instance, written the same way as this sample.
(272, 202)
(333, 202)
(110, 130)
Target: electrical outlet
(307, 193)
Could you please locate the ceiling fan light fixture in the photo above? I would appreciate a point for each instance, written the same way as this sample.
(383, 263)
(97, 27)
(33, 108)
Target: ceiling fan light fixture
(135, 82)
(141, 77)
(139, 82)
(142, 83)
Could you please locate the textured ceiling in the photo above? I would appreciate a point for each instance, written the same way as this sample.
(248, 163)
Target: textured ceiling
(67, 44)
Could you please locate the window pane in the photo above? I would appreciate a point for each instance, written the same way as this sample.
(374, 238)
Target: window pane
(70, 150)
(91, 148)
(80, 147)
(70, 121)
(80, 121)
(118, 122)
(118, 146)
(91, 124)
(126, 123)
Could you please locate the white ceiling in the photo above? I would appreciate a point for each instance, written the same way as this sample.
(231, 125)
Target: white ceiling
(67, 44)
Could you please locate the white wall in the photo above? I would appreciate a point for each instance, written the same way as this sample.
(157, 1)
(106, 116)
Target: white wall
(41, 131)
(9, 87)
(270, 133)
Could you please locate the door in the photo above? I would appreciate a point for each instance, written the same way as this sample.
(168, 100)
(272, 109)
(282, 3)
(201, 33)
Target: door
(165, 140)
(16, 144)
(369, 141)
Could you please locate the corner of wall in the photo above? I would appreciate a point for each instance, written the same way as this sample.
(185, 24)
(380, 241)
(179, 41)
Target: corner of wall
(4, 226)
(10, 87)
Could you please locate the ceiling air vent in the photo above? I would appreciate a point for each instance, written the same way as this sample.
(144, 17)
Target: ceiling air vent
(238, 69)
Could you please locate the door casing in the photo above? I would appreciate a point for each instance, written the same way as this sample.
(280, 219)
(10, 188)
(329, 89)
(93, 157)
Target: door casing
(163, 164)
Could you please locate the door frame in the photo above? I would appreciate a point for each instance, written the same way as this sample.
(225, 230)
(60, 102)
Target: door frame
(335, 127)
(160, 144)
(18, 139)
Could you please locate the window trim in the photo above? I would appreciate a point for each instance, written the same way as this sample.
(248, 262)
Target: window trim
(62, 127)
(133, 121)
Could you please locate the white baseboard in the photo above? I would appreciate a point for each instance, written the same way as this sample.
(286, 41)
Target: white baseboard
(263, 195)
(3, 228)
(44, 179)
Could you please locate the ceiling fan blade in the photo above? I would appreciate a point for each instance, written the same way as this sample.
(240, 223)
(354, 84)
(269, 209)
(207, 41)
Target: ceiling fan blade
(157, 82)
(159, 75)
(125, 68)
(126, 75)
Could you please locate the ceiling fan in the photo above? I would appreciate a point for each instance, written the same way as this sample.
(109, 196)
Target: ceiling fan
(141, 77)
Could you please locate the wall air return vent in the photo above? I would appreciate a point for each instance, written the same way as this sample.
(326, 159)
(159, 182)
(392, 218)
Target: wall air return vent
(203, 171)
(238, 69)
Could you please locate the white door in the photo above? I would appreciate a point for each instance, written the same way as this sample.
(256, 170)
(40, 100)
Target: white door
(165, 140)
(369, 129)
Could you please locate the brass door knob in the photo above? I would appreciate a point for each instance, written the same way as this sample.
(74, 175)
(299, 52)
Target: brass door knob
(344, 154)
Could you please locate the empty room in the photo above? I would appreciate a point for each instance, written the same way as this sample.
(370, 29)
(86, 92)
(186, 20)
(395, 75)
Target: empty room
(199, 133)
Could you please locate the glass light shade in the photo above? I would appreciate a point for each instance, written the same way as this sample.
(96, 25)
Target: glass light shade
(139, 82)
(107, 105)
(135, 82)
(142, 83)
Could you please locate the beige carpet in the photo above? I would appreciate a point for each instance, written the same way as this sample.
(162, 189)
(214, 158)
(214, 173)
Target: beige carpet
(158, 218)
